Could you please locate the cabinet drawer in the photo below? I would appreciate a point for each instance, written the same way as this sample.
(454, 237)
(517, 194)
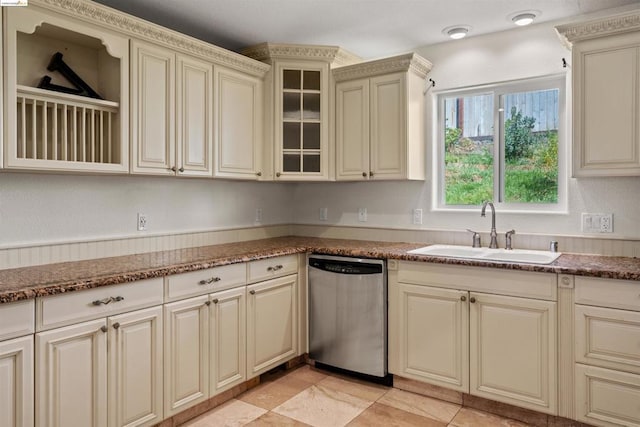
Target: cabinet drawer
(74, 307)
(607, 337)
(17, 319)
(607, 398)
(612, 293)
(524, 284)
(272, 267)
(205, 281)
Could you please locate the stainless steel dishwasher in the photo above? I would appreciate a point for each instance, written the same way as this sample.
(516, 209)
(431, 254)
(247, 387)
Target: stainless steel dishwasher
(348, 314)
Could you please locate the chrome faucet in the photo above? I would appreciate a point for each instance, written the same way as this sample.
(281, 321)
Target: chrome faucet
(494, 235)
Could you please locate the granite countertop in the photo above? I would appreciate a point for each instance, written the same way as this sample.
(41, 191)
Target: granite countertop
(50, 279)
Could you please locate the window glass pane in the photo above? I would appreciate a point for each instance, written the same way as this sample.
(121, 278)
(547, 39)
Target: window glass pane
(311, 136)
(312, 80)
(311, 105)
(530, 123)
(291, 106)
(291, 136)
(311, 163)
(468, 149)
(291, 79)
(291, 163)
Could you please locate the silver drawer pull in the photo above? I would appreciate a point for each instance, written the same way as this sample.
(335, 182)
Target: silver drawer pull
(275, 268)
(106, 301)
(209, 281)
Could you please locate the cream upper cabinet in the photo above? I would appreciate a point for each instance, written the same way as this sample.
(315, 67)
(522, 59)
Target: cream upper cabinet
(272, 322)
(172, 103)
(606, 95)
(78, 129)
(448, 327)
(380, 131)
(299, 109)
(238, 125)
(16, 377)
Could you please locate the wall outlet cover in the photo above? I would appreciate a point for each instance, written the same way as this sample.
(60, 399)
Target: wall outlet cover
(258, 215)
(417, 216)
(142, 222)
(597, 222)
(362, 214)
(323, 213)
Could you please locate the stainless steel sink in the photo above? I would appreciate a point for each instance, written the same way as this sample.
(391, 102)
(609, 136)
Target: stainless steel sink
(465, 252)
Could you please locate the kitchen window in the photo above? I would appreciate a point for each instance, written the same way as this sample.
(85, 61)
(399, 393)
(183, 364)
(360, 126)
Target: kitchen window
(503, 142)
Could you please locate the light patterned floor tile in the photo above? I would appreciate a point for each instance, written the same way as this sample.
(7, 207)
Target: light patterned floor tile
(420, 405)
(322, 407)
(365, 391)
(468, 417)
(271, 419)
(379, 415)
(273, 393)
(234, 413)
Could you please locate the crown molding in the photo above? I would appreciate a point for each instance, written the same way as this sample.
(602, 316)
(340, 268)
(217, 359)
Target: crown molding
(333, 55)
(611, 25)
(400, 63)
(117, 21)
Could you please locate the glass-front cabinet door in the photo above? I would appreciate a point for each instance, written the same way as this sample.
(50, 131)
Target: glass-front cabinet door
(302, 129)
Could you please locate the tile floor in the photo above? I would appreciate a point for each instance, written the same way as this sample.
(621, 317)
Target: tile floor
(310, 397)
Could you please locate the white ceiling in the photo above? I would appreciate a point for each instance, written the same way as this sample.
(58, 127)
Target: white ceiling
(369, 28)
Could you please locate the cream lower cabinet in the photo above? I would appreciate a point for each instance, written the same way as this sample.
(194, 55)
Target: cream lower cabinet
(272, 322)
(607, 352)
(204, 347)
(105, 372)
(499, 347)
(16, 382)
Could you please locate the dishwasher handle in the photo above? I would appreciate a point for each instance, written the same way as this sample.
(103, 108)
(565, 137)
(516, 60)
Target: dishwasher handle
(345, 267)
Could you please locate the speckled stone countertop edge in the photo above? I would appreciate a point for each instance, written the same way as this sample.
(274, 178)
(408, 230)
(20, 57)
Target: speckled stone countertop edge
(51, 279)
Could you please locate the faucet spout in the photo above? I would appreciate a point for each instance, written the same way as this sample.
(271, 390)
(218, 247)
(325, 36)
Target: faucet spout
(494, 234)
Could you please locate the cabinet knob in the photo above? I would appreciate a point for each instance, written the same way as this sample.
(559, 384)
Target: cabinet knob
(566, 280)
(207, 303)
(463, 298)
(258, 173)
(116, 325)
(472, 300)
(252, 292)
(370, 173)
(215, 300)
(173, 168)
(103, 328)
(278, 174)
(364, 174)
(181, 170)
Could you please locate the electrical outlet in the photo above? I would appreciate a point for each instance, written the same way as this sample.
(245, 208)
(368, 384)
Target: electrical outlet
(362, 214)
(142, 222)
(417, 216)
(323, 214)
(597, 223)
(258, 214)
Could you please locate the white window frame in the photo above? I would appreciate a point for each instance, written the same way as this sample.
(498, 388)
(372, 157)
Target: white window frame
(558, 81)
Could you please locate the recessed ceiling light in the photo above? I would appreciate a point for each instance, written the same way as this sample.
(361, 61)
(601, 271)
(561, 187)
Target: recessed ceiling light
(457, 31)
(523, 18)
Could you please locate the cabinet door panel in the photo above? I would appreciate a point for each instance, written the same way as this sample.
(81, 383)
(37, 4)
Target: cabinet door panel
(135, 368)
(513, 351)
(238, 125)
(389, 126)
(71, 376)
(152, 109)
(352, 130)
(193, 116)
(433, 328)
(271, 324)
(16, 382)
(186, 344)
(228, 339)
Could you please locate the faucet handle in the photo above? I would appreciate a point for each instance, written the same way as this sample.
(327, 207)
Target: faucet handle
(476, 238)
(507, 236)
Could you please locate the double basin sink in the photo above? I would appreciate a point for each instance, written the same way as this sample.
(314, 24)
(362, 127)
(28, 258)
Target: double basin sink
(486, 254)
